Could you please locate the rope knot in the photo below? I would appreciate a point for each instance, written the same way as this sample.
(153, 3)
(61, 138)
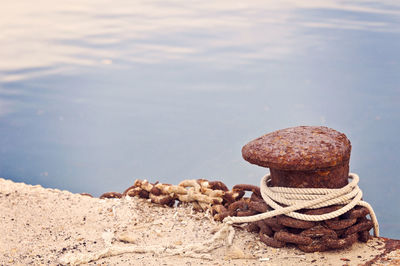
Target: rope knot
(289, 200)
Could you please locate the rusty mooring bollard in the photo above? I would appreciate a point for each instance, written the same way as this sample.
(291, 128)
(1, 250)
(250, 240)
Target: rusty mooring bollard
(302, 157)
(308, 157)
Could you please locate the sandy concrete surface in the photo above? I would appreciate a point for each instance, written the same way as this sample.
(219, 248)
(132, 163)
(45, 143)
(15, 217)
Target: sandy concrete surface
(49, 226)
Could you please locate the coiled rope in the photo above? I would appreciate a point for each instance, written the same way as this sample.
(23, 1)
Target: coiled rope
(308, 198)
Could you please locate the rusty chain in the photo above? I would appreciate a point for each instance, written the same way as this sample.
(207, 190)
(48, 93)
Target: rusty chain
(214, 196)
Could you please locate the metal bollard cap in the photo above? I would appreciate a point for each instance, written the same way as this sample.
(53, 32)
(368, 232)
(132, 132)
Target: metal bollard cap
(302, 148)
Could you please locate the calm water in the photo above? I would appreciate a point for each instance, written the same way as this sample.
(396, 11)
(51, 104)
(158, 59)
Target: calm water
(94, 94)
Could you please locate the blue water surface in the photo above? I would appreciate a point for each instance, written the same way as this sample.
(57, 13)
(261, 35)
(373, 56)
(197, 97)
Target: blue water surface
(94, 94)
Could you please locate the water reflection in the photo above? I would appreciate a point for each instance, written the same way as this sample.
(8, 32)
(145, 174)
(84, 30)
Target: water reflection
(45, 38)
(93, 95)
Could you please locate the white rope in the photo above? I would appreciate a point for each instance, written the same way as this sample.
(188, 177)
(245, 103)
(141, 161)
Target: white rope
(224, 236)
(294, 198)
(308, 198)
